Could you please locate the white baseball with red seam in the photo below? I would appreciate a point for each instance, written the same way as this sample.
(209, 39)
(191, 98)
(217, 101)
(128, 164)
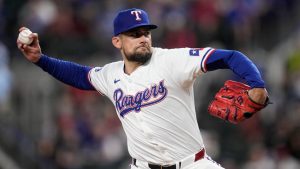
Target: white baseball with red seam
(24, 37)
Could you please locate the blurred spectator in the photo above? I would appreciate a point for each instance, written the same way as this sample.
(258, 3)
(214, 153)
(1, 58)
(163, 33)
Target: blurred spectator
(179, 33)
(259, 158)
(6, 78)
(293, 74)
(205, 15)
(38, 14)
(89, 134)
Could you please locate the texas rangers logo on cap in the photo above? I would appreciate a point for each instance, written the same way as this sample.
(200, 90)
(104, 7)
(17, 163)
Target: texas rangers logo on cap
(130, 19)
(137, 13)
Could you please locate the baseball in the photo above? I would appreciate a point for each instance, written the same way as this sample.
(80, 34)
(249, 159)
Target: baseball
(24, 37)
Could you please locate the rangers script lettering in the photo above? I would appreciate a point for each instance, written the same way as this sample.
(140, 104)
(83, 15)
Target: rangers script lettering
(149, 96)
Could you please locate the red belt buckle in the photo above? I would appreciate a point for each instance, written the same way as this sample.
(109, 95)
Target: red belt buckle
(200, 155)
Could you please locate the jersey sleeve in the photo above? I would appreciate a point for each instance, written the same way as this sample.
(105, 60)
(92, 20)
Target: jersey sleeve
(97, 78)
(187, 63)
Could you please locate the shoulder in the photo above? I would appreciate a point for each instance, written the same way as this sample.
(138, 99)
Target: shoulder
(115, 65)
(164, 52)
(108, 68)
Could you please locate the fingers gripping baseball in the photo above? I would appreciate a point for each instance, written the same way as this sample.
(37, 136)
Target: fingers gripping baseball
(28, 44)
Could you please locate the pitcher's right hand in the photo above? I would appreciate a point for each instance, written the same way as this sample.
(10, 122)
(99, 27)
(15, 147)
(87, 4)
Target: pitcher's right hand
(33, 51)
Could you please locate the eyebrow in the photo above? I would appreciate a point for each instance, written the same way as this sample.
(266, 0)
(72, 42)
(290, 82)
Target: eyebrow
(137, 33)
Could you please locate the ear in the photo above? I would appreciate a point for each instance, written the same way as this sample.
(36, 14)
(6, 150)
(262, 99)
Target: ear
(116, 41)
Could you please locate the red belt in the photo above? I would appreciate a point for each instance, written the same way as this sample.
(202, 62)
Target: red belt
(181, 164)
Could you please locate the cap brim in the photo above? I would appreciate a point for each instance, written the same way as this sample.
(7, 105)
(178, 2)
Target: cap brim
(150, 26)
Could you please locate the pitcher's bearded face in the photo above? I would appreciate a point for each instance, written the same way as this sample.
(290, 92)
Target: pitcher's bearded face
(136, 45)
(140, 55)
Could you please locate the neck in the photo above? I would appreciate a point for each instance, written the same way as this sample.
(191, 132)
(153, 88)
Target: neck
(130, 67)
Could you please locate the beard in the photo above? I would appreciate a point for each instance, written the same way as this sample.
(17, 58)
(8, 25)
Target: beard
(139, 57)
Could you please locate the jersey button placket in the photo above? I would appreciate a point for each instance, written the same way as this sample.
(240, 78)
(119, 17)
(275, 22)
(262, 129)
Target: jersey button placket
(144, 128)
(130, 86)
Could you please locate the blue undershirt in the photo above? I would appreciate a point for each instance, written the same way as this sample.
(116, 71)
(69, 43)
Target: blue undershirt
(240, 64)
(67, 72)
(77, 75)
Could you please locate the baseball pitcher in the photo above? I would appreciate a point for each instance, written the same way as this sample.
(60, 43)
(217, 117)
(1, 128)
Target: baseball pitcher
(152, 91)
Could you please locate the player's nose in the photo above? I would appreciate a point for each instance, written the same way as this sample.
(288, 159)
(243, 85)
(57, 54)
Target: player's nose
(144, 39)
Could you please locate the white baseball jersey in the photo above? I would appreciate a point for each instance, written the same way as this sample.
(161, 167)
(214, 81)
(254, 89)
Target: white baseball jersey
(155, 103)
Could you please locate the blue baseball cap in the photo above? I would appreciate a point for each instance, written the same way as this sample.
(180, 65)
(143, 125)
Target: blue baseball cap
(131, 18)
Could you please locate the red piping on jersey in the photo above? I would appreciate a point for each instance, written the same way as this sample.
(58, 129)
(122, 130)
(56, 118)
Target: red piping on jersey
(205, 60)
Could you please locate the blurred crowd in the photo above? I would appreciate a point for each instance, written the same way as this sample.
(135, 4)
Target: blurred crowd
(47, 125)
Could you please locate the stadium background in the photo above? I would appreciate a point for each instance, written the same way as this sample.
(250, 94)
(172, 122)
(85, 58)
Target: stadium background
(45, 124)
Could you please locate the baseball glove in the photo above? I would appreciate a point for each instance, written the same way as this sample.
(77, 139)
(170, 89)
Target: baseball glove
(232, 103)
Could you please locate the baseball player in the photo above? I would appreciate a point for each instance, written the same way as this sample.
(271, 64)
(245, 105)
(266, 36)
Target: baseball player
(152, 91)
